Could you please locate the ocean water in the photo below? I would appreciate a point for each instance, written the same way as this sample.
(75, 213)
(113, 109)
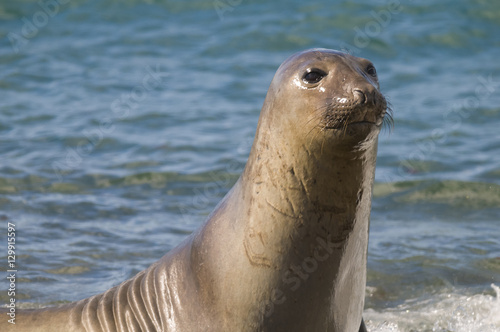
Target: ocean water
(123, 123)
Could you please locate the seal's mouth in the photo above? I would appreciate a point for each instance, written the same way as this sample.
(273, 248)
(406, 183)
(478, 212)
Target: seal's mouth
(343, 112)
(359, 123)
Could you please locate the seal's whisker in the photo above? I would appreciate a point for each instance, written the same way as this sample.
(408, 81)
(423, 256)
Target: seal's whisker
(346, 123)
(320, 129)
(314, 135)
(320, 117)
(388, 121)
(322, 142)
(315, 117)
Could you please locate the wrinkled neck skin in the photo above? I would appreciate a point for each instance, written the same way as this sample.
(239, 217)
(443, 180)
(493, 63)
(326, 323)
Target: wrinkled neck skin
(295, 255)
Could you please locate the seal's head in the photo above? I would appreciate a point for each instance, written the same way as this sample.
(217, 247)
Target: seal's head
(326, 95)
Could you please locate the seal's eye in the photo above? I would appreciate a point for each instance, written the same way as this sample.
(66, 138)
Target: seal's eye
(313, 76)
(371, 70)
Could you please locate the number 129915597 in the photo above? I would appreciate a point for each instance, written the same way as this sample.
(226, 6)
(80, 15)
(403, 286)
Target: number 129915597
(11, 245)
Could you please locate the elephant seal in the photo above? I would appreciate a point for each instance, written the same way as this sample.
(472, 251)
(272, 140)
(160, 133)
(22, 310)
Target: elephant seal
(286, 248)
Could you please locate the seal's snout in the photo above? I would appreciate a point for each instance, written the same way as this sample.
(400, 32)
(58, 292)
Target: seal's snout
(366, 96)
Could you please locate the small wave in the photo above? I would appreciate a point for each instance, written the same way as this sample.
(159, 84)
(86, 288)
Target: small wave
(472, 195)
(446, 313)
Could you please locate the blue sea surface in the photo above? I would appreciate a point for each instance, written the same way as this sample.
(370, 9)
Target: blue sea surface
(123, 123)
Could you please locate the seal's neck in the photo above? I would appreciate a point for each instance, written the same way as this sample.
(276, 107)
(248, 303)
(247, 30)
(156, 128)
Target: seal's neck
(308, 229)
(316, 190)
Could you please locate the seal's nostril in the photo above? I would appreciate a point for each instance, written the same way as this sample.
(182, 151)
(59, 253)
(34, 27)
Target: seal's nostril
(359, 96)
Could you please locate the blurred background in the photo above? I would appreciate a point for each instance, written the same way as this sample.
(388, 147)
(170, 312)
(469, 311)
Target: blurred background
(123, 123)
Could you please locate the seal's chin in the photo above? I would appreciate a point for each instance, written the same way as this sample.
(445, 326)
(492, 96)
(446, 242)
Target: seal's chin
(364, 123)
